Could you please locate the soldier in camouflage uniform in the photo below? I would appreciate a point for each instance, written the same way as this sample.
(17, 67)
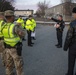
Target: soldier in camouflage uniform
(13, 44)
(70, 44)
(2, 52)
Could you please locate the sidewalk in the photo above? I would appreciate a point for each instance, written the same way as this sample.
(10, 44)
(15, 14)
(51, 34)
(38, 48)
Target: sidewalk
(43, 22)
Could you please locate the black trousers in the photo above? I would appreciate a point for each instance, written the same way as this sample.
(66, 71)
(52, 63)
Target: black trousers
(59, 37)
(29, 37)
(71, 59)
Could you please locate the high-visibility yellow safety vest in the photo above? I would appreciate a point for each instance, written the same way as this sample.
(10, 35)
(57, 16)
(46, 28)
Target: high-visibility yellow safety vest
(1, 26)
(29, 25)
(34, 23)
(9, 37)
(21, 21)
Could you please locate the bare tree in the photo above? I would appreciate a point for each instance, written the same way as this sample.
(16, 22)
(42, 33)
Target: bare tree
(6, 5)
(67, 6)
(11, 1)
(41, 7)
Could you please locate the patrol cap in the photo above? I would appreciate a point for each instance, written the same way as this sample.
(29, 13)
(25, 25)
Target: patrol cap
(74, 10)
(1, 13)
(9, 13)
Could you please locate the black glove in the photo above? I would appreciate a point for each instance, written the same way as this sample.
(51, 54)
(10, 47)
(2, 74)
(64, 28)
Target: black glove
(19, 49)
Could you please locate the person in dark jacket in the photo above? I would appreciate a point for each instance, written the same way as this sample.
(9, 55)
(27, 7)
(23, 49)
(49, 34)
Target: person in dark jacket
(59, 28)
(70, 43)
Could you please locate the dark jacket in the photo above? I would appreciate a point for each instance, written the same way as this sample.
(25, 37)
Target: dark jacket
(71, 35)
(61, 23)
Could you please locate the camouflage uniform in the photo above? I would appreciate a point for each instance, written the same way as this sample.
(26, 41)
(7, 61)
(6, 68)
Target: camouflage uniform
(11, 53)
(2, 52)
(17, 61)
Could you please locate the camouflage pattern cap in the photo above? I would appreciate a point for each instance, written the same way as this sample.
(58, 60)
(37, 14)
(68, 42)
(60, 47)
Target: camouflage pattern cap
(9, 13)
(1, 13)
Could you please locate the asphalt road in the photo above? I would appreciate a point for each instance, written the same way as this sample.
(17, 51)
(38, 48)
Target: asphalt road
(43, 58)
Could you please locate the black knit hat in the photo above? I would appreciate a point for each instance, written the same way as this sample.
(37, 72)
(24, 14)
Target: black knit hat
(74, 10)
(60, 16)
(30, 16)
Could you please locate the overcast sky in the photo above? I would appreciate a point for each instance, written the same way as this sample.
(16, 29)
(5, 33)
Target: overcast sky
(32, 4)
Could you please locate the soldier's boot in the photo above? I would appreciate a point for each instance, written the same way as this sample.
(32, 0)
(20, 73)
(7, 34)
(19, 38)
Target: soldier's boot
(11, 74)
(57, 45)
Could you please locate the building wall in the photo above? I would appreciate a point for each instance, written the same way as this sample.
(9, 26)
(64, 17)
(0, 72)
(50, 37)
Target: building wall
(59, 9)
(23, 12)
(54, 10)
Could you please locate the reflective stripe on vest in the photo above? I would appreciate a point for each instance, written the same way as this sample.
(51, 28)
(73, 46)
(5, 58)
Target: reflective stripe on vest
(34, 23)
(1, 25)
(9, 37)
